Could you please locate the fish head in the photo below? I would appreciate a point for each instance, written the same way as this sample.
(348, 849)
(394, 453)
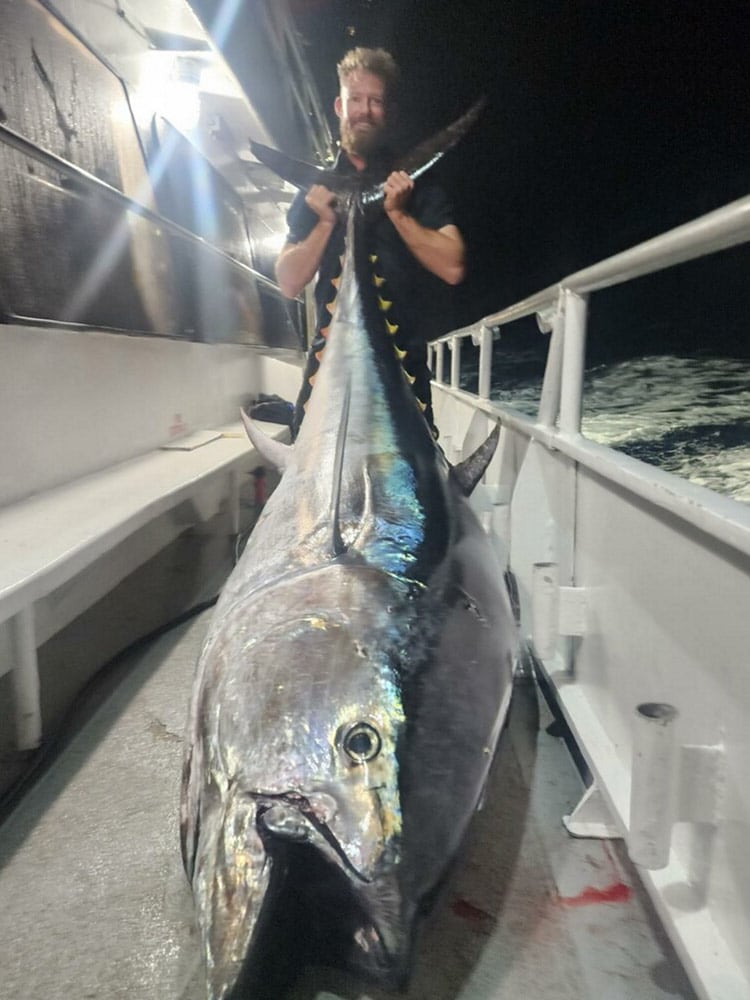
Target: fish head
(301, 716)
(318, 753)
(348, 810)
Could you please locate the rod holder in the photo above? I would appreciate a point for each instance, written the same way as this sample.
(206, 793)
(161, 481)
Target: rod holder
(653, 785)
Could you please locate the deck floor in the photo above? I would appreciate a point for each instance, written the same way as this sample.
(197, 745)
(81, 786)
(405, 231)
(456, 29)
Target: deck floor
(95, 903)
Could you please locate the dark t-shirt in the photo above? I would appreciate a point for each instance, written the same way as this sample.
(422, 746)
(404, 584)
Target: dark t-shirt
(410, 287)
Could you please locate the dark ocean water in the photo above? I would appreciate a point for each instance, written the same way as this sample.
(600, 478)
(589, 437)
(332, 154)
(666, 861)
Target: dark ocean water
(689, 415)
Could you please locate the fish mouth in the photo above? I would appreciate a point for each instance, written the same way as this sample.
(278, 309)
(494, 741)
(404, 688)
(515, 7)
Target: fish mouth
(293, 816)
(371, 937)
(265, 856)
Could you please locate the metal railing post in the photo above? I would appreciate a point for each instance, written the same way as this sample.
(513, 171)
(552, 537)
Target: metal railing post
(573, 360)
(455, 348)
(439, 361)
(549, 402)
(485, 362)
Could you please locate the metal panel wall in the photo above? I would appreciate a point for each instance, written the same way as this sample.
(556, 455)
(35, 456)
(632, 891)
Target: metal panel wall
(73, 252)
(68, 254)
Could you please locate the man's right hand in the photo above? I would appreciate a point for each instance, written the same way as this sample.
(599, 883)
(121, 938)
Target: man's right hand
(323, 202)
(297, 263)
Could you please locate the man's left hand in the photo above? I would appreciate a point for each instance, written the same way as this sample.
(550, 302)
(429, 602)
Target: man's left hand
(397, 191)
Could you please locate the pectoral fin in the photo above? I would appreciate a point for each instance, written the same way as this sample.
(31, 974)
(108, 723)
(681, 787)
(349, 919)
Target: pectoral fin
(275, 452)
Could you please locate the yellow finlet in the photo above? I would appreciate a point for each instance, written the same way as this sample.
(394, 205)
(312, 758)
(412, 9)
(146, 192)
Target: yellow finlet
(378, 281)
(336, 281)
(422, 406)
(411, 379)
(330, 306)
(384, 304)
(391, 327)
(373, 258)
(399, 353)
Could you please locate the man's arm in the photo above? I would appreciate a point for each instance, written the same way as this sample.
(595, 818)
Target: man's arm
(297, 263)
(440, 251)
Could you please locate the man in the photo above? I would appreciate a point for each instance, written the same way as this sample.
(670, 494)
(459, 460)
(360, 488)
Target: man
(413, 240)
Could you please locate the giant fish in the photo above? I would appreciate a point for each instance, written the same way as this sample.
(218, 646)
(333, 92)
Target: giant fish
(356, 672)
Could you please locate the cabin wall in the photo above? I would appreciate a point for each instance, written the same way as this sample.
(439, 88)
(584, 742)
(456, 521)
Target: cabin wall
(79, 134)
(73, 402)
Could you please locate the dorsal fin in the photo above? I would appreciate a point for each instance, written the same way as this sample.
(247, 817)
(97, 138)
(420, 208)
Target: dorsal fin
(337, 542)
(468, 473)
(275, 452)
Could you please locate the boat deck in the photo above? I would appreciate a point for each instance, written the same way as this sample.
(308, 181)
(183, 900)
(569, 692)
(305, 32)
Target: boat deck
(95, 903)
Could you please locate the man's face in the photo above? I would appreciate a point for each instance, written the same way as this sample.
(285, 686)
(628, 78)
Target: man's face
(361, 111)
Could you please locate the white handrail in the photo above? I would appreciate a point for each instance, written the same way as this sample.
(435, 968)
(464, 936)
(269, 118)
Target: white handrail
(563, 308)
(718, 230)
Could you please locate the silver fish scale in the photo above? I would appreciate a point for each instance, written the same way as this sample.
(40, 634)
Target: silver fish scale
(356, 673)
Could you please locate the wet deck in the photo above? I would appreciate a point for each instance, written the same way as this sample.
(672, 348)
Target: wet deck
(95, 903)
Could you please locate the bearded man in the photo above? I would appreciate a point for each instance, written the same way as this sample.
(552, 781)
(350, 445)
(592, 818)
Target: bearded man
(414, 239)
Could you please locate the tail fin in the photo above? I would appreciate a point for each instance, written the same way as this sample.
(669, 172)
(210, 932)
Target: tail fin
(427, 153)
(297, 172)
(417, 162)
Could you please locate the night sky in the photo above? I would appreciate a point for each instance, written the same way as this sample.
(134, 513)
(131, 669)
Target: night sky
(607, 123)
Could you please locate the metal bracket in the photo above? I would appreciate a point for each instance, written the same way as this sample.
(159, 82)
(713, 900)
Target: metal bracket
(545, 318)
(555, 611)
(592, 818)
(701, 785)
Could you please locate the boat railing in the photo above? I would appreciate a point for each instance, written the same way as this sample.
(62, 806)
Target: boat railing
(562, 308)
(632, 585)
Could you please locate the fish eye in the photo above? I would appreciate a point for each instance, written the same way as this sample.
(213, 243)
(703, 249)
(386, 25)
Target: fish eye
(361, 742)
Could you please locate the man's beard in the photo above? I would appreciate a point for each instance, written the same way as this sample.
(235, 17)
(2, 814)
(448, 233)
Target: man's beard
(363, 142)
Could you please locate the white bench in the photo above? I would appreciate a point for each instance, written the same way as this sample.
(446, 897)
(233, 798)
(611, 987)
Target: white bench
(48, 539)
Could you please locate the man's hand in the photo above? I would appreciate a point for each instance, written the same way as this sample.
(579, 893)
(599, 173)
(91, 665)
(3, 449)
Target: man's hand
(322, 201)
(397, 191)
(440, 251)
(297, 263)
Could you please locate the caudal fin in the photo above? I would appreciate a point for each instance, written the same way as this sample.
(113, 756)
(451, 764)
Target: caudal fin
(418, 161)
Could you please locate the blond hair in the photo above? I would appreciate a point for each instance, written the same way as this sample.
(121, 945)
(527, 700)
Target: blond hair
(376, 61)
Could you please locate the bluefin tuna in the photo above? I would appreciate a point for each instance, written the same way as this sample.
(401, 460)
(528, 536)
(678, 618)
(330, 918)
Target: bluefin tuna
(355, 675)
